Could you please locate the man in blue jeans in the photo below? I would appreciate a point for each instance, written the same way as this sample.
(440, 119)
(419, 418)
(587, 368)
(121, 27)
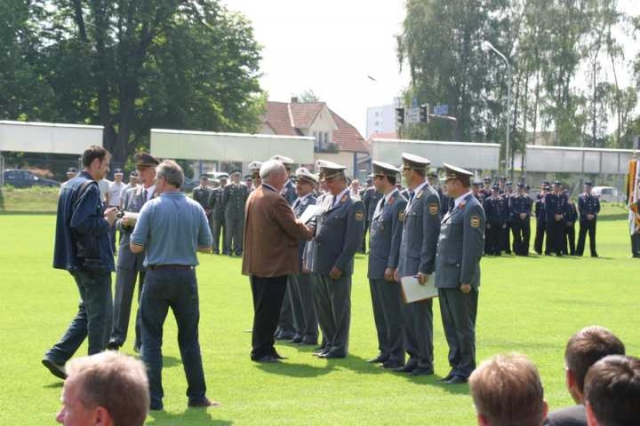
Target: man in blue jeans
(83, 247)
(172, 228)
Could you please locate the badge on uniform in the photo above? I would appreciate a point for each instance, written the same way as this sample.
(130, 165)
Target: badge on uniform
(433, 208)
(344, 198)
(359, 216)
(475, 221)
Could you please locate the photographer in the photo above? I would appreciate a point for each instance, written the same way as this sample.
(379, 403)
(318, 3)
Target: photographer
(83, 248)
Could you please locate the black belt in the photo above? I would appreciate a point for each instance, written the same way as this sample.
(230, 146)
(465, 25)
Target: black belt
(173, 267)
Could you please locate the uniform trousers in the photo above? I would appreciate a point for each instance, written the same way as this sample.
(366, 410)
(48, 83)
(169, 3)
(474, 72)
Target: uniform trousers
(587, 226)
(494, 239)
(178, 290)
(386, 299)
(218, 230)
(635, 244)
(418, 332)
(332, 299)
(569, 239)
(521, 235)
(458, 312)
(539, 240)
(93, 319)
(555, 234)
(233, 234)
(305, 320)
(125, 283)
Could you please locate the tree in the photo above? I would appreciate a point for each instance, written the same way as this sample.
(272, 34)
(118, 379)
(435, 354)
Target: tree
(308, 96)
(131, 65)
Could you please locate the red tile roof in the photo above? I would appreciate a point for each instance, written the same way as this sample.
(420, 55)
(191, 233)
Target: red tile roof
(288, 119)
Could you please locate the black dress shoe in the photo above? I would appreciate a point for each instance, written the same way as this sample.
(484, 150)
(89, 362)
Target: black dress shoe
(447, 377)
(283, 335)
(296, 340)
(422, 371)
(331, 355)
(113, 345)
(204, 403)
(266, 359)
(320, 353)
(456, 380)
(277, 355)
(380, 359)
(392, 364)
(408, 368)
(309, 342)
(55, 369)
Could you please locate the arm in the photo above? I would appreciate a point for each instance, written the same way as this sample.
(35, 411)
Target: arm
(353, 235)
(140, 235)
(396, 233)
(205, 239)
(473, 243)
(431, 218)
(287, 221)
(85, 219)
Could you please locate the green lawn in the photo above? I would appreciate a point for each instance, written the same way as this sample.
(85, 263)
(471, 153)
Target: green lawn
(531, 305)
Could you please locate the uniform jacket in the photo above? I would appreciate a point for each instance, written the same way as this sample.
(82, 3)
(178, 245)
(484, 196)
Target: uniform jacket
(289, 192)
(299, 206)
(420, 230)
(520, 204)
(203, 196)
(385, 235)
(496, 210)
(133, 202)
(311, 247)
(571, 214)
(339, 233)
(461, 245)
(235, 198)
(554, 204)
(271, 235)
(370, 199)
(540, 215)
(217, 203)
(588, 204)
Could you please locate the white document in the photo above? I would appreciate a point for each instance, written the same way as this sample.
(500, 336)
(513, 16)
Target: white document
(412, 291)
(131, 217)
(309, 213)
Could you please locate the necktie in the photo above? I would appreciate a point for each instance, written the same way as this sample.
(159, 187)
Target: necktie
(144, 196)
(411, 194)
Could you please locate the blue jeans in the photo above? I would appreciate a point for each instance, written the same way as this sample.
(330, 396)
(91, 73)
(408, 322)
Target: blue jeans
(178, 290)
(93, 318)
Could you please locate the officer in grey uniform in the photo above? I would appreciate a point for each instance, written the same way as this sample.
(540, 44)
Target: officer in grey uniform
(202, 194)
(300, 286)
(370, 198)
(338, 235)
(254, 168)
(460, 248)
(235, 198)
(384, 247)
(129, 265)
(218, 225)
(286, 327)
(418, 258)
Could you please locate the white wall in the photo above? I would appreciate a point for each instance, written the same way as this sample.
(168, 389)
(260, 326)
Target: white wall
(51, 138)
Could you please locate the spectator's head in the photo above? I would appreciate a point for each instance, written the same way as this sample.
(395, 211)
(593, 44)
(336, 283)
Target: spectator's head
(274, 173)
(612, 392)
(506, 390)
(95, 161)
(169, 176)
(583, 350)
(109, 389)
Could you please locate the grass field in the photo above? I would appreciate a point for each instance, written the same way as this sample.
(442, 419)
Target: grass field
(531, 305)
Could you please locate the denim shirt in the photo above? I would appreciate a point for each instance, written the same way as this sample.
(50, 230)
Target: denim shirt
(85, 223)
(171, 227)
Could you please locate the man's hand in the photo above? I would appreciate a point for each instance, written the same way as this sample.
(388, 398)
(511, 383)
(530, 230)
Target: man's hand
(523, 216)
(305, 270)
(465, 288)
(389, 274)
(422, 278)
(110, 215)
(590, 216)
(488, 225)
(558, 217)
(396, 276)
(335, 273)
(569, 224)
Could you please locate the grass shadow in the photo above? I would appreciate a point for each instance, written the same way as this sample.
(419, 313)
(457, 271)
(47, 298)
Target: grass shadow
(192, 416)
(295, 370)
(54, 385)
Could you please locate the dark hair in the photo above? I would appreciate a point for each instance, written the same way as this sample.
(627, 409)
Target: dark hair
(93, 152)
(612, 389)
(588, 346)
(420, 171)
(465, 181)
(391, 179)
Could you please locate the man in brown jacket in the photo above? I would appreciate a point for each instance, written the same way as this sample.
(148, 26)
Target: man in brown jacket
(271, 235)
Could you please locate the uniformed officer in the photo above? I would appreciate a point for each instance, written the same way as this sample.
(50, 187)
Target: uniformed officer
(133, 182)
(286, 329)
(235, 198)
(540, 220)
(254, 168)
(476, 188)
(203, 195)
(418, 258)
(570, 218)
(130, 265)
(384, 247)
(300, 286)
(555, 207)
(434, 181)
(589, 208)
(521, 221)
(370, 200)
(506, 236)
(338, 235)
(496, 213)
(486, 191)
(460, 248)
(218, 225)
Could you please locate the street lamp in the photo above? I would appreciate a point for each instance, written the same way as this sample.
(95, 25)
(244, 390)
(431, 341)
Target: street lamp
(488, 46)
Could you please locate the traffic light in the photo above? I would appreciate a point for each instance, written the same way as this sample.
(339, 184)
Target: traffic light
(400, 116)
(424, 113)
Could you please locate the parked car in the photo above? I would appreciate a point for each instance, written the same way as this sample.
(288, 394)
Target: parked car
(608, 194)
(26, 179)
(189, 184)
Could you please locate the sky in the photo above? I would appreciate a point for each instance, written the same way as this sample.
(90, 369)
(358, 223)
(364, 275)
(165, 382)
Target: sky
(343, 50)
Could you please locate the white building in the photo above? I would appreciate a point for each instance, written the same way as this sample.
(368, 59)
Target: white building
(381, 119)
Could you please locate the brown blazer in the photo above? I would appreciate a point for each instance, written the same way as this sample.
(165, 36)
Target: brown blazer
(271, 235)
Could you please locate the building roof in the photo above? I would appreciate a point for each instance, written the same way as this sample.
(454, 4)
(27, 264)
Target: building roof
(288, 119)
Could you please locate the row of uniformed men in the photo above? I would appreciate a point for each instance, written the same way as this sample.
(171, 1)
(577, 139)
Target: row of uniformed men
(408, 237)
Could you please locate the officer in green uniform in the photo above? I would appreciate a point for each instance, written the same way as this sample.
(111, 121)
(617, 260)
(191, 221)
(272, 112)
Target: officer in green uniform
(218, 226)
(460, 248)
(338, 234)
(202, 194)
(235, 198)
